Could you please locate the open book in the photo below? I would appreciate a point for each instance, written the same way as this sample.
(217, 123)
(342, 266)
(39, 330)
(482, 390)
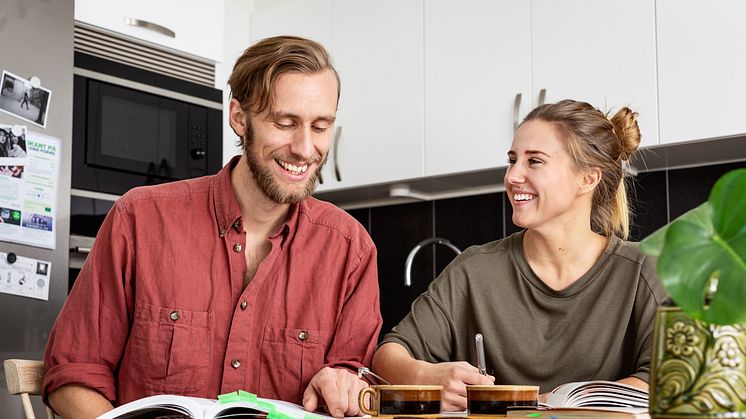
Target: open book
(597, 394)
(177, 407)
(586, 399)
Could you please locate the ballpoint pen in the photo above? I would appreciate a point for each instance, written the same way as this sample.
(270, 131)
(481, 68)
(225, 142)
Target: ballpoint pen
(479, 340)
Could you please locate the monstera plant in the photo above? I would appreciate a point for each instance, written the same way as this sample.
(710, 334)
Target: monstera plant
(699, 350)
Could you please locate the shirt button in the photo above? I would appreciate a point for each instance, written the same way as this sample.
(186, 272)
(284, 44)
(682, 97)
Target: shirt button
(235, 364)
(237, 247)
(243, 305)
(303, 335)
(175, 315)
(237, 224)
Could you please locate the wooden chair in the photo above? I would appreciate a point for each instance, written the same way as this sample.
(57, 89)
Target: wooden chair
(24, 378)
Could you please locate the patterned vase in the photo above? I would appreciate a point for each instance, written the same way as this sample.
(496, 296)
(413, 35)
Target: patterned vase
(698, 369)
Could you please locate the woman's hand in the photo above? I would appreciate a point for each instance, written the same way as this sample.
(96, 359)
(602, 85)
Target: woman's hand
(454, 377)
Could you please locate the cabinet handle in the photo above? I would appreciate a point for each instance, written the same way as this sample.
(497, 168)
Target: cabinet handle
(516, 111)
(542, 96)
(337, 135)
(81, 250)
(150, 26)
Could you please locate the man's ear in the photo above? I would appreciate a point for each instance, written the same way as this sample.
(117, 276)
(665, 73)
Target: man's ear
(237, 118)
(590, 179)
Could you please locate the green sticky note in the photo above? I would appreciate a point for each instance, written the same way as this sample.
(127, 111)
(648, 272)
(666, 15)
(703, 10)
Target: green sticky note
(534, 415)
(277, 415)
(245, 396)
(267, 405)
(228, 397)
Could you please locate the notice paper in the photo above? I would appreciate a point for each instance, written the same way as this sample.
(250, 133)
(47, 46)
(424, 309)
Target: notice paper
(24, 276)
(28, 187)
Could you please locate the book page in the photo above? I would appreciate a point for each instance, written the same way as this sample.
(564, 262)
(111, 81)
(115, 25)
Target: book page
(192, 407)
(597, 394)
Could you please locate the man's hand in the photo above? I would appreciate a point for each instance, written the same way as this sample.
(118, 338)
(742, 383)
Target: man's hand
(337, 389)
(454, 377)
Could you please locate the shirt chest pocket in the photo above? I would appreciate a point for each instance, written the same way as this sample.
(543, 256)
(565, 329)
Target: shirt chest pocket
(171, 348)
(289, 359)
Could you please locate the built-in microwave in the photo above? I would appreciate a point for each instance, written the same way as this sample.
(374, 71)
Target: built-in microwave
(133, 127)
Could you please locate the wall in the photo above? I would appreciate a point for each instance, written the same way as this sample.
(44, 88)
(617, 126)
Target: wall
(657, 198)
(36, 38)
(236, 38)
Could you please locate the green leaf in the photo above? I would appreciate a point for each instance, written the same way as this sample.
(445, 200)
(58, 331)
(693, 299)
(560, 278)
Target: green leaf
(701, 216)
(696, 247)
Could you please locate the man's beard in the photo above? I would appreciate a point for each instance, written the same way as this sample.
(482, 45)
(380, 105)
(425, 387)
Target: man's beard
(264, 178)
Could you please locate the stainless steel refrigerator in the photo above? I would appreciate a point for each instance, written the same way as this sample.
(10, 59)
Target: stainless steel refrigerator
(36, 39)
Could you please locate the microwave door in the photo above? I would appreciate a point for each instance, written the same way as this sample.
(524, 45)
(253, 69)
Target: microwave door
(136, 132)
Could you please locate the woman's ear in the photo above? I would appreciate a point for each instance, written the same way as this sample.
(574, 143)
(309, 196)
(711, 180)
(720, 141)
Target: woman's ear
(590, 179)
(237, 118)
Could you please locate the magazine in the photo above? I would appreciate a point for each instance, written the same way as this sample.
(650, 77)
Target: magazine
(597, 394)
(168, 406)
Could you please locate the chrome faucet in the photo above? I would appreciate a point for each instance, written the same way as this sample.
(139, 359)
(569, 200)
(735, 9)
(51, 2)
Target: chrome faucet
(416, 248)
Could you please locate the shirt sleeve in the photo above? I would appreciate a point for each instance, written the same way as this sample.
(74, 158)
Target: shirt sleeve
(651, 295)
(360, 320)
(88, 338)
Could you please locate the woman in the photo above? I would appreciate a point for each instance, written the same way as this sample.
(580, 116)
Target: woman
(17, 147)
(566, 299)
(4, 143)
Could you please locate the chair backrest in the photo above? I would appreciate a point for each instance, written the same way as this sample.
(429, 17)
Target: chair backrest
(24, 378)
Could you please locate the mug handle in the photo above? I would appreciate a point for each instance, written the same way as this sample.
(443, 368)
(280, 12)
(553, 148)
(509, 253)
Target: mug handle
(361, 401)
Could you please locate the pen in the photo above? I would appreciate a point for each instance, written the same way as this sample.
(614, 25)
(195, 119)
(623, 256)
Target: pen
(479, 340)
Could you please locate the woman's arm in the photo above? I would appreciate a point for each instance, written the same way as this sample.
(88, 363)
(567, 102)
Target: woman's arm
(393, 362)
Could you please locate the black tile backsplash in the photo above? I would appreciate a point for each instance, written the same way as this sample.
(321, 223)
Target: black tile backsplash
(395, 231)
(465, 222)
(647, 197)
(655, 197)
(687, 188)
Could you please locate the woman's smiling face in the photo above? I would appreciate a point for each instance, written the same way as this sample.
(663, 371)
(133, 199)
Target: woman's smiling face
(541, 182)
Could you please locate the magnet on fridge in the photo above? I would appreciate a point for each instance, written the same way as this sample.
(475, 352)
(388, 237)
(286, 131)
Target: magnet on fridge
(35, 82)
(17, 130)
(11, 258)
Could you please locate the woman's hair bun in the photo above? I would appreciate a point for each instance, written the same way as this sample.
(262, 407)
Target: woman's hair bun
(627, 131)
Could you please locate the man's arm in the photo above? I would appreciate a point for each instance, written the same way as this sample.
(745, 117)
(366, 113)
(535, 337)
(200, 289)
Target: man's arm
(73, 401)
(337, 389)
(393, 362)
(337, 385)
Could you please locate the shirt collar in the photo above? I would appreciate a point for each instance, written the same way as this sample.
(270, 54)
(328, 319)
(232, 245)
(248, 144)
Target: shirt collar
(228, 213)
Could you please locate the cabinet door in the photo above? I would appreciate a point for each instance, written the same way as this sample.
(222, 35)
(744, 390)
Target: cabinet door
(476, 63)
(701, 69)
(197, 25)
(377, 48)
(598, 51)
(310, 19)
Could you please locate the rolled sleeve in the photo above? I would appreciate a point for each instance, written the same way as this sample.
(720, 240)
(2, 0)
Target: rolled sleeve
(87, 341)
(360, 320)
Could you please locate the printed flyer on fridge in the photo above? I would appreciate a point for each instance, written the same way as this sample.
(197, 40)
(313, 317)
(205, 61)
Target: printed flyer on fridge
(29, 173)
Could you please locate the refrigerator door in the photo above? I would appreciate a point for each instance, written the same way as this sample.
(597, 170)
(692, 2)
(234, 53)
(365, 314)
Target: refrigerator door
(36, 39)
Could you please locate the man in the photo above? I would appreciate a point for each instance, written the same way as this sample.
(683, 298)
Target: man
(233, 281)
(24, 100)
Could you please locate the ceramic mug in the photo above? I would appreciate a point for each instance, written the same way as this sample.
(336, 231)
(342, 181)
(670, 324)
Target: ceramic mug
(497, 399)
(401, 400)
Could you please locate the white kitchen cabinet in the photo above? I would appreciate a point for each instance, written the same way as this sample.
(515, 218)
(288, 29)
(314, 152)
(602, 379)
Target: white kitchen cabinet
(377, 48)
(197, 25)
(310, 19)
(598, 51)
(477, 81)
(480, 54)
(701, 69)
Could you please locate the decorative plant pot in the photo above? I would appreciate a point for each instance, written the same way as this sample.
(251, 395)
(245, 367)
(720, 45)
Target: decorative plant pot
(698, 369)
